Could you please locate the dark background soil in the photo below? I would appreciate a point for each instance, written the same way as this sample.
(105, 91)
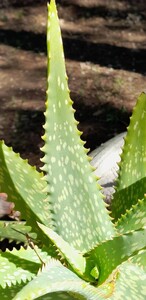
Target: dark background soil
(105, 49)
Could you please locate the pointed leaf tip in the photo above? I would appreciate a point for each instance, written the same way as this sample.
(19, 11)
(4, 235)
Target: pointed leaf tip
(74, 193)
(131, 182)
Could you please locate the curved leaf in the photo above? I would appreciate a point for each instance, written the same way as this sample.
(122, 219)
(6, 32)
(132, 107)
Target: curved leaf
(56, 278)
(75, 259)
(129, 283)
(25, 187)
(108, 255)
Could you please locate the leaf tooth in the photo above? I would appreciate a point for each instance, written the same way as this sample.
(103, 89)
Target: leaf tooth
(71, 101)
(133, 214)
(43, 149)
(60, 256)
(80, 133)
(43, 137)
(43, 168)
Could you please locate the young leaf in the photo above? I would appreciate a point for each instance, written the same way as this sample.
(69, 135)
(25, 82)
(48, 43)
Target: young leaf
(75, 259)
(112, 253)
(78, 209)
(131, 183)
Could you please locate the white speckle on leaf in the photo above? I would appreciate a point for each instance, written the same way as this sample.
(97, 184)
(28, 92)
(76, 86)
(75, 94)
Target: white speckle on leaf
(53, 159)
(58, 81)
(60, 177)
(135, 125)
(62, 86)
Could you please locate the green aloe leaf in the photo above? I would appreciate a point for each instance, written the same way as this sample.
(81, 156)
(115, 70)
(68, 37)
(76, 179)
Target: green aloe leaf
(26, 188)
(15, 270)
(77, 205)
(18, 267)
(15, 231)
(56, 278)
(9, 292)
(75, 259)
(134, 219)
(131, 183)
(61, 279)
(108, 255)
(128, 282)
(140, 259)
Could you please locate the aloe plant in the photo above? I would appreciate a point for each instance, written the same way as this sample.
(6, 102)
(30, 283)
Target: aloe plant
(75, 248)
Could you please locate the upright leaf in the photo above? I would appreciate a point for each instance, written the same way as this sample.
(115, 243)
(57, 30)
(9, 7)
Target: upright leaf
(131, 183)
(77, 208)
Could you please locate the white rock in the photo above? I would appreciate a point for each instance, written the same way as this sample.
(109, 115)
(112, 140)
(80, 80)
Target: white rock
(104, 159)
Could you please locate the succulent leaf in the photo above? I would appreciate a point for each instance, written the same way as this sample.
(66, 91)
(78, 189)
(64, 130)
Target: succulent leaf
(15, 270)
(131, 183)
(77, 205)
(128, 282)
(9, 292)
(77, 262)
(58, 279)
(134, 218)
(67, 199)
(61, 279)
(108, 255)
(15, 231)
(24, 185)
(140, 259)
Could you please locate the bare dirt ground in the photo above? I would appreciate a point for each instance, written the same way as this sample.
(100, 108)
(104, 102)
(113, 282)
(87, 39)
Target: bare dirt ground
(105, 49)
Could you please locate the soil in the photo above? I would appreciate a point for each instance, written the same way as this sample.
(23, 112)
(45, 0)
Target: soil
(105, 50)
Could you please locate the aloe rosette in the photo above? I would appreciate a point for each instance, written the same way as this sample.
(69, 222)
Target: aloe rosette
(75, 248)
